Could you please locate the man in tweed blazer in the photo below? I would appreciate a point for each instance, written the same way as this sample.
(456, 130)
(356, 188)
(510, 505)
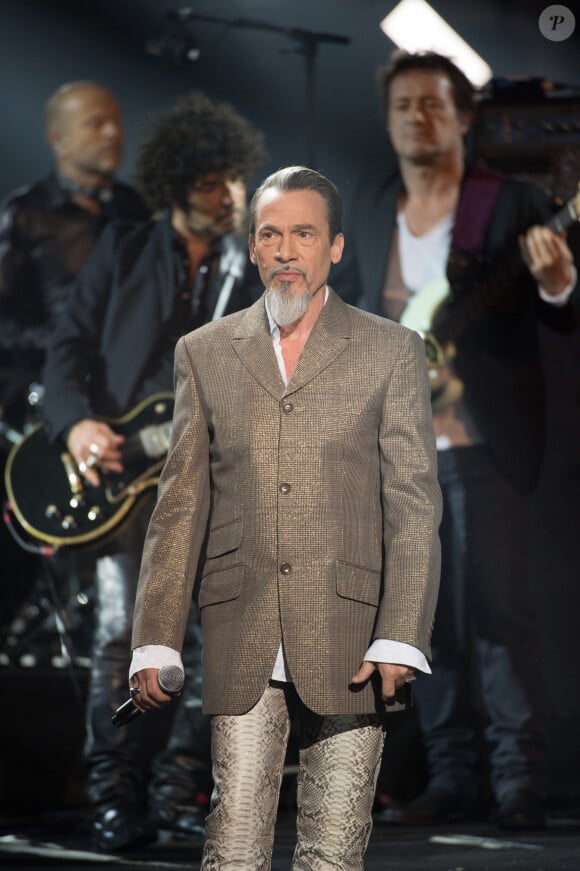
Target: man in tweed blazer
(303, 458)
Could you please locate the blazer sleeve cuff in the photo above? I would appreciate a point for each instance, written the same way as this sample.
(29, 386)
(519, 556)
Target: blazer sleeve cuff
(153, 656)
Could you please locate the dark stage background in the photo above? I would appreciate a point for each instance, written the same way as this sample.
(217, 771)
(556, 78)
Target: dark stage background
(262, 72)
(330, 120)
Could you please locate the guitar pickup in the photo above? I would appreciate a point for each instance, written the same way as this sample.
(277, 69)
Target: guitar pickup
(74, 479)
(155, 439)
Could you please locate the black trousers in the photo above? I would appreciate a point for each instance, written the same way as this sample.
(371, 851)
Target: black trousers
(486, 669)
(115, 773)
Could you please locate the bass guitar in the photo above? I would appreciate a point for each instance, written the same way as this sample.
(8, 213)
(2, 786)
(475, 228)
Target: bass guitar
(441, 320)
(49, 497)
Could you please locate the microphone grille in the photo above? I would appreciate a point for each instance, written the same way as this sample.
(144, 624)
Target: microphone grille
(170, 678)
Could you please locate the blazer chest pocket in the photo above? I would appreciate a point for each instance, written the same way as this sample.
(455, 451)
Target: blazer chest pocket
(357, 583)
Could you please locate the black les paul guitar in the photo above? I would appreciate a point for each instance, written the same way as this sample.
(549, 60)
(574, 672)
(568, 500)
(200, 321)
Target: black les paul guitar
(52, 502)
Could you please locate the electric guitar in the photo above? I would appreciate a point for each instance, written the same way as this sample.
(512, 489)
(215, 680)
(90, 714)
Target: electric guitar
(440, 320)
(51, 500)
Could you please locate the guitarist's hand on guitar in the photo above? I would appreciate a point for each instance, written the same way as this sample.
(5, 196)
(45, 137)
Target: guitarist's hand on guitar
(549, 259)
(45, 484)
(93, 444)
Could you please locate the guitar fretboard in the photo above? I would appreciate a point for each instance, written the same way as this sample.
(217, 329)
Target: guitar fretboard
(565, 217)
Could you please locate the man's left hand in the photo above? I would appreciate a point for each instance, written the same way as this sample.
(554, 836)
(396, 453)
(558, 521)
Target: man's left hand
(393, 677)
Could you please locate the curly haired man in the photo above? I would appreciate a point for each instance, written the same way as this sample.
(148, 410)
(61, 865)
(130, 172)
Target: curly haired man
(144, 286)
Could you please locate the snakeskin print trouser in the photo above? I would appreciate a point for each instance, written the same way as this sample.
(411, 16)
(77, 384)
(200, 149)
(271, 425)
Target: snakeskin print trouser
(338, 768)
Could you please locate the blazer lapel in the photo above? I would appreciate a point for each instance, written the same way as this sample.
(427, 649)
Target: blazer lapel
(168, 274)
(378, 211)
(252, 342)
(330, 336)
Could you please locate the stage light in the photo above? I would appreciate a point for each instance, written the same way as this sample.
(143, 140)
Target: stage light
(414, 25)
(177, 45)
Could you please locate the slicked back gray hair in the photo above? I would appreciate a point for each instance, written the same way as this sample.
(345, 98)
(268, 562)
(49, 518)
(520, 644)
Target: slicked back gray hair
(301, 178)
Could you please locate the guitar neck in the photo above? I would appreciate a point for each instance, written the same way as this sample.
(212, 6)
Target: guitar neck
(563, 219)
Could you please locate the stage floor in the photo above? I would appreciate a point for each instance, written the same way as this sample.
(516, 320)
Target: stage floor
(62, 841)
(44, 821)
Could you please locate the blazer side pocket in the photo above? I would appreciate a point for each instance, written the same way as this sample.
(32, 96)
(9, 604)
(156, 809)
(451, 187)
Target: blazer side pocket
(357, 583)
(225, 538)
(221, 586)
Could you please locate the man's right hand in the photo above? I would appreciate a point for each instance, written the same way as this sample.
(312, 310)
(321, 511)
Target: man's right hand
(93, 445)
(146, 692)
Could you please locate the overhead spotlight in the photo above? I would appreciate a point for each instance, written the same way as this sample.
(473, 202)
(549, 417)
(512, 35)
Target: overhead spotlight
(177, 45)
(414, 25)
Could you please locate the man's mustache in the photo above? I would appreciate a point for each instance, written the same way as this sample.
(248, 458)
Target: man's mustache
(280, 269)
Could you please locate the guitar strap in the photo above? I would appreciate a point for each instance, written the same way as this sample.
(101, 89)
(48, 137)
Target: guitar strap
(232, 270)
(476, 203)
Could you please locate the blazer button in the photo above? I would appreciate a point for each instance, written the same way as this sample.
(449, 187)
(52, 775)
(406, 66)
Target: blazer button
(287, 407)
(285, 568)
(285, 488)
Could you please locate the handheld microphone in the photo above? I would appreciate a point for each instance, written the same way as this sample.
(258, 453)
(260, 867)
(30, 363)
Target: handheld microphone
(170, 678)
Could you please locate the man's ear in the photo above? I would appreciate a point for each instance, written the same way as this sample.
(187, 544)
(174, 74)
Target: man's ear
(252, 248)
(55, 140)
(465, 119)
(337, 248)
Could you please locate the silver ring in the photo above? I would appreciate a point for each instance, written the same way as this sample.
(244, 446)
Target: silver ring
(92, 461)
(82, 468)
(95, 449)
(134, 691)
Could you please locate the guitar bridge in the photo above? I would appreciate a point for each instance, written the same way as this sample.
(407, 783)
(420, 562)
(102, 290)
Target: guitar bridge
(155, 439)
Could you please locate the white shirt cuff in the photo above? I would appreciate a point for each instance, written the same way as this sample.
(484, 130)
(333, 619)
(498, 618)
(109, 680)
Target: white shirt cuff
(560, 298)
(153, 656)
(397, 652)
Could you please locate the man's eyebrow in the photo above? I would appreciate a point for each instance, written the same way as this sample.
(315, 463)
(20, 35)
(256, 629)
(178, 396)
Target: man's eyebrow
(294, 227)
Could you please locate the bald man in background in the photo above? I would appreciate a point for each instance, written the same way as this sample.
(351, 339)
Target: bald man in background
(47, 230)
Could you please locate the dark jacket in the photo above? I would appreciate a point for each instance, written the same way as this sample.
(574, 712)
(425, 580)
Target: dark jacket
(45, 238)
(498, 357)
(115, 340)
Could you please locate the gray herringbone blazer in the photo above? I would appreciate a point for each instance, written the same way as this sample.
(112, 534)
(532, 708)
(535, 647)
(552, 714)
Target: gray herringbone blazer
(320, 501)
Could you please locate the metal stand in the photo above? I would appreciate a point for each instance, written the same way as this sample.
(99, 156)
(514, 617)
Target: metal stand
(44, 615)
(309, 42)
